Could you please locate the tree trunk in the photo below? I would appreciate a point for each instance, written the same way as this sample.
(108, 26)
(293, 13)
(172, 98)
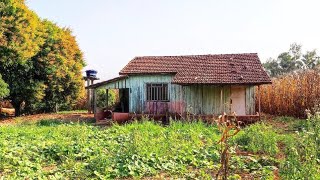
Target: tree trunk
(17, 107)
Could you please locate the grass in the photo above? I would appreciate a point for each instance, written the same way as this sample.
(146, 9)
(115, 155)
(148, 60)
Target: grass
(73, 112)
(56, 150)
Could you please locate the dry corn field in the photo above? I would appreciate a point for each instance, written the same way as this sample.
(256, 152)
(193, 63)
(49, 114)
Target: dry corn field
(292, 94)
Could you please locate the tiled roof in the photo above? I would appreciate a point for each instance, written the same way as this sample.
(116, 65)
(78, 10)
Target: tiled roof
(203, 69)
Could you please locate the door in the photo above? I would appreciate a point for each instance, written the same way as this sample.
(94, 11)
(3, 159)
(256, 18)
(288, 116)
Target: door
(238, 100)
(124, 99)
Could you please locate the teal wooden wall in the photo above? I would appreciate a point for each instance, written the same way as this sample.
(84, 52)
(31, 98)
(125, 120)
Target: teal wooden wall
(195, 99)
(205, 99)
(250, 100)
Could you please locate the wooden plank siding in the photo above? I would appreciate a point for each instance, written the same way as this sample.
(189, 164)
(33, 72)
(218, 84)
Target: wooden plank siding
(250, 100)
(205, 99)
(194, 99)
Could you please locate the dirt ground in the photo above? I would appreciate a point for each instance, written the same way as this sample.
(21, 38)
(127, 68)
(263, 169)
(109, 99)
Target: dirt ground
(74, 117)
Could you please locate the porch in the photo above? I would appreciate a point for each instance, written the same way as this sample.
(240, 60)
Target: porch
(137, 99)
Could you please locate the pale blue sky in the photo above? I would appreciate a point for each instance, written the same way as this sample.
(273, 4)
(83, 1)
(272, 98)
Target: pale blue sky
(112, 32)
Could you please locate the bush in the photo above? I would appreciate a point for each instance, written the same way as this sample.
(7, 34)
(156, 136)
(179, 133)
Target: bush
(258, 138)
(103, 98)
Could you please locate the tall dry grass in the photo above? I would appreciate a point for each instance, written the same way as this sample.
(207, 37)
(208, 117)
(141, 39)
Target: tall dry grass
(291, 94)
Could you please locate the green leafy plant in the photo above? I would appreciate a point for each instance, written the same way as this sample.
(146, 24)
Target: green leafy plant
(303, 156)
(4, 91)
(258, 138)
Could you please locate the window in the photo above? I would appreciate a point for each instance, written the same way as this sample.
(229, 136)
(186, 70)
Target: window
(157, 92)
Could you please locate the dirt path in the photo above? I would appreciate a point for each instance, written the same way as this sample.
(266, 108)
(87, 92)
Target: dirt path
(74, 117)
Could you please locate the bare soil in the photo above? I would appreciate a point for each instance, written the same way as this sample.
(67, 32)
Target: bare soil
(74, 117)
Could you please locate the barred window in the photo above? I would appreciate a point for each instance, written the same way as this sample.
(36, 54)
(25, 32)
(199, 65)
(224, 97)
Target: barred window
(157, 92)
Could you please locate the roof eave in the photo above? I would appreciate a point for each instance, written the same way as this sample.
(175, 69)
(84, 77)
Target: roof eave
(103, 83)
(223, 84)
(147, 73)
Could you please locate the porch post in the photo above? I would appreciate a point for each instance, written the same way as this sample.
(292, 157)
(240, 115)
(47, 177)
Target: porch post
(221, 100)
(94, 102)
(88, 98)
(107, 92)
(259, 101)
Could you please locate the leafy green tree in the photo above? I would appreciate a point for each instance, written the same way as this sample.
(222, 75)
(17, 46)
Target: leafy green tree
(272, 67)
(295, 51)
(20, 39)
(310, 59)
(286, 62)
(20, 31)
(40, 62)
(292, 60)
(59, 64)
(4, 91)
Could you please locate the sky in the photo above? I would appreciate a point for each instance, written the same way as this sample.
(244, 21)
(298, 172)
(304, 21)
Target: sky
(112, 32)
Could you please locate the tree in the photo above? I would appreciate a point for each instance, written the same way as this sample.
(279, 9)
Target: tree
(4, 91)
(20, 31)
(272, 67)
(59, 64)
(20, 39)
(310, 59)
(286, 62)
(292, 60)
(40, 62)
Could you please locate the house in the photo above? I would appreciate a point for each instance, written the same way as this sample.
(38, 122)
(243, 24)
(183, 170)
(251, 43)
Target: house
(201, 85)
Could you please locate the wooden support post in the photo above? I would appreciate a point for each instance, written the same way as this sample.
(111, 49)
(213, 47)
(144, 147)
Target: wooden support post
(107, 92)
(88, 98)
(94, 101)
(259, 101)
(221, 100)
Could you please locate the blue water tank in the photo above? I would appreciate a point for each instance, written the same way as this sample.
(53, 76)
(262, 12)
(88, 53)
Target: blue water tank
(91, 73)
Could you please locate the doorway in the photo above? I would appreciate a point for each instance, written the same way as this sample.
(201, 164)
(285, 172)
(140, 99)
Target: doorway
(238, 100)
(124, 100)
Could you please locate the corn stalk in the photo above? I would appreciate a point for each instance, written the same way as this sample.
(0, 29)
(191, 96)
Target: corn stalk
(229, 127)
(291, 94)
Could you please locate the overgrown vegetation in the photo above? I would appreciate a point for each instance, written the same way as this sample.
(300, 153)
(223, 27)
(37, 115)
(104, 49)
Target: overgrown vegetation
(291, 94)
(302, 153)
(54, 149)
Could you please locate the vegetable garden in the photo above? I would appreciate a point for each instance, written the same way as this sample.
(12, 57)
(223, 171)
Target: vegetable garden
(57, 150)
